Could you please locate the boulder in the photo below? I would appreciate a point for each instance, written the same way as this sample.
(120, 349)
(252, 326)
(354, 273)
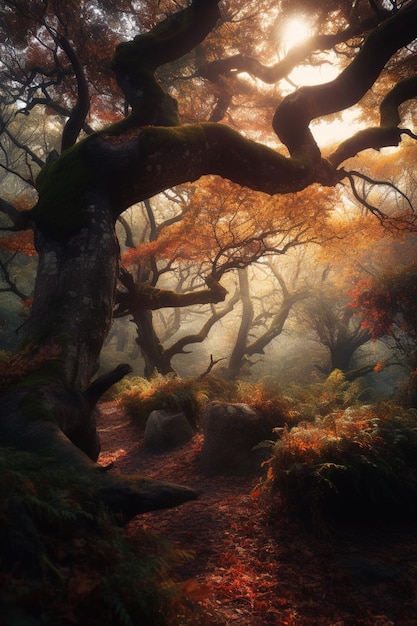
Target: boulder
(165, 431)
(231, 431)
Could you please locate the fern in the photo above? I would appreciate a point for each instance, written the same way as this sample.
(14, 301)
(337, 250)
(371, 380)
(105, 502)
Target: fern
(141, 396)
(357, 463)
(62, 556)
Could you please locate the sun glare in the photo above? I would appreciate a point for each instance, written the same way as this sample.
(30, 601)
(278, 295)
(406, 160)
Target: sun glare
(295, 31)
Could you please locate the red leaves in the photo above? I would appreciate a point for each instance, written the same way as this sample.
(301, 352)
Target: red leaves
(195, 590)
(255, 570)
(21, 242)
(17, 366)
(375, 304)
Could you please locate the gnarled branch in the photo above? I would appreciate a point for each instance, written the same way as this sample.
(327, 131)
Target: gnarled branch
(388, 133)
(293, 116)
(145, 296)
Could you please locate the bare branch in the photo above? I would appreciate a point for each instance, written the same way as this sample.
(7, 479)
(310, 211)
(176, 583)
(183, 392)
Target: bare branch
(21, 220)
(401, 222)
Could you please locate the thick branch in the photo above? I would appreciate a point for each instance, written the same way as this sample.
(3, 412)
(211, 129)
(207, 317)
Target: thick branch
(238, 63)
(388, 133)
(162, 157)
(99, 386)
(294, 114)
(125, 496)
(145, 296)
(135, 62)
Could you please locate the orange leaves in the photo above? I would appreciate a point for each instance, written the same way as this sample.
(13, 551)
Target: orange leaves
(21, 242)
(17, 366)
(171, 245)
(388, 301)
(195, 590)
(379, 367)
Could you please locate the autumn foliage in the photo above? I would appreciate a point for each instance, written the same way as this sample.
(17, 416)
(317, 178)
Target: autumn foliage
(387, 303)
(16, 367)
(353, 464)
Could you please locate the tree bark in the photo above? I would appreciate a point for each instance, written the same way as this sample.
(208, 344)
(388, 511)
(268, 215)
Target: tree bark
(239, 350)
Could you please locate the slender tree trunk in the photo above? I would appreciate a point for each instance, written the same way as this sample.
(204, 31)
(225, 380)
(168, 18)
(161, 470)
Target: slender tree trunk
(239, 350)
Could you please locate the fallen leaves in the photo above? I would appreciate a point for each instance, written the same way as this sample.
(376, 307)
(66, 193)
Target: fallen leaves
(250, 570)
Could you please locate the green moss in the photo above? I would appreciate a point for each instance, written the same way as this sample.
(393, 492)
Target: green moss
(63, 193)
(153, 139)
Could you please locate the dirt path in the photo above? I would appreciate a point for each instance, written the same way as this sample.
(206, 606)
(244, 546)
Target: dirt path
(254, 573)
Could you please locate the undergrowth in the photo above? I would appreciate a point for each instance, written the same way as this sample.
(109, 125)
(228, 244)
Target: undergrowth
(320, 398)
(138, 397)
(64, 562)
(338, 458)
(358, 463)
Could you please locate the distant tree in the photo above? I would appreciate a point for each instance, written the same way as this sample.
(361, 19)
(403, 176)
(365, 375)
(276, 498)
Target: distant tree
(214, 233)
(386, 304)
(264, 314)
(334, 325)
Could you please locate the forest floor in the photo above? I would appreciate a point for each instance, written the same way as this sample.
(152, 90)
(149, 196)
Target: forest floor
(249, 571)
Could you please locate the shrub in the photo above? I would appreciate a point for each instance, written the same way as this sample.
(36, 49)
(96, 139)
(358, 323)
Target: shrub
(267, 400)
(63, 562)
(139, 396)
(320, 398)
(358, 463)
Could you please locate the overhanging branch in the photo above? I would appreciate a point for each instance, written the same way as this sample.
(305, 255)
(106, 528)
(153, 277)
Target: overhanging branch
(293, 116)
(388, 133)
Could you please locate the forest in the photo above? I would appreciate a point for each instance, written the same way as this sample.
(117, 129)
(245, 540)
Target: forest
(208, 306)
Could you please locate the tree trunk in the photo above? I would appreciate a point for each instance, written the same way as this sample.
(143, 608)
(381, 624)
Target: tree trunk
(239, 350)
(52, 412)
(83, 192)
(74, 291)
(149, 344)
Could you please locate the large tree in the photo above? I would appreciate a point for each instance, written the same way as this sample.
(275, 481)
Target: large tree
(83, 191)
